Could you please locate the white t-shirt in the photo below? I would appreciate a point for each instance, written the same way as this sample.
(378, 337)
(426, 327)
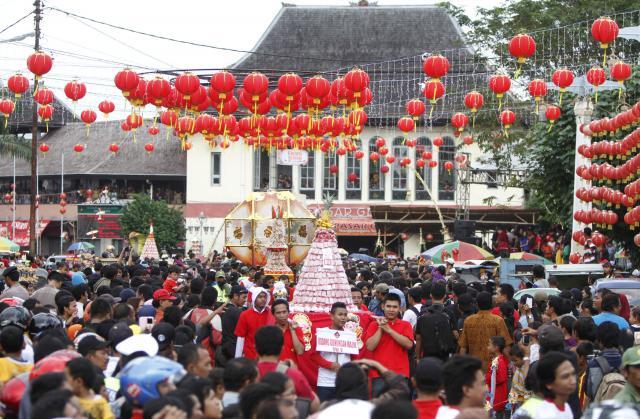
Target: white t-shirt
(446, 412)
(326, 377)
(549, 410)
(411, 317)
(534, 352)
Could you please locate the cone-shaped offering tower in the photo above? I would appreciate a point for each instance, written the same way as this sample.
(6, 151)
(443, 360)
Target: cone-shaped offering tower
(150, 250)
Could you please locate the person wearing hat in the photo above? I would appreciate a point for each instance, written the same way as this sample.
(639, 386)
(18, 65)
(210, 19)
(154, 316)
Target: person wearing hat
(427, 380)
(46, 295)
(94, 348)
(11, 277)
(164, 334)
(375, 305)
(630, 368)
(163, 299)
(222, 287)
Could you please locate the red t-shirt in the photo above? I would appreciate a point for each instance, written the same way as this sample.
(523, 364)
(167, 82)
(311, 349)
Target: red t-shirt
(516, 315)
(501, 390)
(363, 307)
(389, 352)
(248, 324)
(427, 409)
(303, 389)
(288, 351)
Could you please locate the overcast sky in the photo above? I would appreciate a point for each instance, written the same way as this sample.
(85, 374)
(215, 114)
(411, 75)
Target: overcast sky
(234, 24)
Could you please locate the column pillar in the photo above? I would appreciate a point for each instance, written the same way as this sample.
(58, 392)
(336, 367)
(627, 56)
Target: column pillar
(583, 110)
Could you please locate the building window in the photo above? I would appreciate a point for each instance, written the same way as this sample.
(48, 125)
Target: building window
(307, 177)
(285, 177)
(330, 180)
(424, 144)
(399, 181)
(354, 168)
(446, 178)
(215, 168)
(492, 179)
(261, 169)
(376, 178)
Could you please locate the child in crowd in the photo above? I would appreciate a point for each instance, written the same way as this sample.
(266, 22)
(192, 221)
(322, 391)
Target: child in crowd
(81, 377)
(518, 394)
(497, 377)
(12, 364)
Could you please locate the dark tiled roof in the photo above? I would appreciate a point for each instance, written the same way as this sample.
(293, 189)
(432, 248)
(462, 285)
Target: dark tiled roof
(167, 159)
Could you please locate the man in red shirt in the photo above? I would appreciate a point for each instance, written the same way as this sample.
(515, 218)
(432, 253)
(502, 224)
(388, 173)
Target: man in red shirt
(250, 321)
(358, 299)
(293, 346)
(269, 341)
(505, 295)
(389, 339)
(427, 380)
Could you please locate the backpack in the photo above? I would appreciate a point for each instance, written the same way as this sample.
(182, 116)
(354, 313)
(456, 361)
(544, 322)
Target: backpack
(436, 334)
(604, 381)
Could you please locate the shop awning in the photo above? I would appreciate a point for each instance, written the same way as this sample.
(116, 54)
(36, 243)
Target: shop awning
(21, 237)
(350, 220)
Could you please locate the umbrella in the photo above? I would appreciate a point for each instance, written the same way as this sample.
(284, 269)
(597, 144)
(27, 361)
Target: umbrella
(80, 246)
(459, 251)
(364, 258)
(7, 246)
(530, 256)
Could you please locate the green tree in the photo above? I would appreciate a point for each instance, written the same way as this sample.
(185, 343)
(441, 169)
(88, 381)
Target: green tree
(168, 224)
(13, 145)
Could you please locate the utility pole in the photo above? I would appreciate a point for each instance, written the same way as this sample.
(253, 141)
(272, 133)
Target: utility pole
(34, 141)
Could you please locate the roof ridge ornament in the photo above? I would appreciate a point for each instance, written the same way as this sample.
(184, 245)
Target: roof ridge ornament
(363, 3)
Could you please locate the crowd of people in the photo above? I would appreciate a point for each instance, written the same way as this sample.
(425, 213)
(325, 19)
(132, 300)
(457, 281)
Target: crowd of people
(216, 339)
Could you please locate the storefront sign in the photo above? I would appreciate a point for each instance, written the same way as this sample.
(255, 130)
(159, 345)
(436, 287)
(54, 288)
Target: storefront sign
(351, 220)
(103, 219)
(292, 157)
(336, 341)
(22, 235)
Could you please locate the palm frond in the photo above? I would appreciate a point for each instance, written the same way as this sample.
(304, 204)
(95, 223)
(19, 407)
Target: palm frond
(12, 145)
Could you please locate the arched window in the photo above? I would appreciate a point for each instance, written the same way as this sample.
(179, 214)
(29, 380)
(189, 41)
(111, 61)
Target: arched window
(424, 144)
(446, 178)
(307, 176)
(354, 167)
(329, 180)
(376, 178)
(399, 180)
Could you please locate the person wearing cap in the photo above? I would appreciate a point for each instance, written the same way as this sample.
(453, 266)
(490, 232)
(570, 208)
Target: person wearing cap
(375, 305)
(448, 265)
(427, 380)
(251, 320)
(164, 334)
(11, 278)
(630, 368)
(222, 287)
(163, 299)
(94, 348)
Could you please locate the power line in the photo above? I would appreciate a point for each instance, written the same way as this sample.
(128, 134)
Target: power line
(16, 22)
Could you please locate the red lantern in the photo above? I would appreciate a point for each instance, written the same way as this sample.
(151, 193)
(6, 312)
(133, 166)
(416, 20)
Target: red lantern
(290, 85)
(562, 78)
(158, 89)
(604, 30)
(222, 84)
(384, 169)
(404, 236)
(374, 156)
(359, 154)
(537, 89)
(45, 112)
(187, 84)
(148, 147)
(390, 159)
(317, 87)
(63, 210)
(356, 80)
(75, 90)
(620, 72)
(420, 163)
(596, 76)
(467, 140)
(499, 84)
(39, 63)
(88, 116)
(426, 155)
(18, 84)
(435, 66)
(474, 101)
(406, 124)
(106, 107)
(415, 108)
(6, 108)
(459, 121)
(383, 151)
(153, 131)
(352, 177)
(574, 258)
(429, 237)
(433, 164)
(522, 46)
(255, 85)
(134, 120)
(433, 90)
(114, 148)
(127, 81)
(438, 141)
(552, 113)
(78, 148)
(43, 96)
(333, 169)
(636, 239)
(44, 148)
(380, 142)
(448, 166)
(507, 118)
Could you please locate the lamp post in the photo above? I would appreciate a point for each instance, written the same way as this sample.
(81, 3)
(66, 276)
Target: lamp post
(201, 219)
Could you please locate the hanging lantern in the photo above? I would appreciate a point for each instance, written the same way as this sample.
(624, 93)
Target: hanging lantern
(537, 89)
(380, 142)
(43, 96)
(507, 119)
(39, 63)
(149, 147)
(153, 131)
(574, 258)
(222, 85)
(406, 124)
(562, 78)
(459, 121)
(6, 108)
(290, 85)
(390, 159)
(106, 107)
(499, 84)
(521, 46)
(374, 156)
(78, 148)
(473, 101)
(63, 210)
(552, 113)
(384, 169)
(433, 164)
(317, 87)
(359, 154)
(604, 30)
(18, 84)
(467, 140)
(158, 89)
(187, 84)
(88, 116)
(44, 148)
(134, 120)
(415, 108)
(333, 169)
(438, 142)
(126, 81)
(114, 148)
(435, 66)
(46, 113)
(596, 77)
(448, 166)
(75, 90)
(352, 177)
(124, 126)
(620, 72)
(427, 155)
(356, 80)
(433, 90)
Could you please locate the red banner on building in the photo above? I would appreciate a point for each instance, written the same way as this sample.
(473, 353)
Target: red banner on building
(350, 220)
(22, 236)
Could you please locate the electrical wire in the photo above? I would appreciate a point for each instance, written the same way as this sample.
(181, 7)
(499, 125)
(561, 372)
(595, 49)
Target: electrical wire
(16, 22)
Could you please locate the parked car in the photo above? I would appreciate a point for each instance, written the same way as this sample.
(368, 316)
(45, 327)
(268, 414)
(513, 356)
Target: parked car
(536, 293)
(51, 261)
(628, 287)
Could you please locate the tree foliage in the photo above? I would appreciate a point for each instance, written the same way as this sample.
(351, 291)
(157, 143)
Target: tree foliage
(168, 223)
(13, 145)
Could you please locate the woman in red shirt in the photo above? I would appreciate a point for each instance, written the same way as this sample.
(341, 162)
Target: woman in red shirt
(497, 377)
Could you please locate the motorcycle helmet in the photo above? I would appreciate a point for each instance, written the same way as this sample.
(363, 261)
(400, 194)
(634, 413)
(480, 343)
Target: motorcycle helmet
(612, 409)
(55, 362)
(12, 393)
(15, 316)
(140, 378)
(43, 321)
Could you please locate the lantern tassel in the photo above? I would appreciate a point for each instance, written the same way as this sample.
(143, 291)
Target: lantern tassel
(550, 126)
(431, 111)
(473, 119)
(604, 55)
(518, 71)
(88, 130)
(561, 94)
